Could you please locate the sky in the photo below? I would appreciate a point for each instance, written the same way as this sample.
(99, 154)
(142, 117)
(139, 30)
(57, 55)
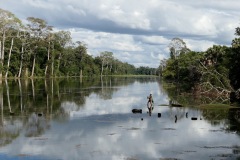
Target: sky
(136, 31)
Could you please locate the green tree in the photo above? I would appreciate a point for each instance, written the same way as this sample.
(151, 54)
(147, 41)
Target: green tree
(80, 52)
(38, 30)
(235, 61)
(62, 38)
(176, 47)
(106, 60)
(8, 21)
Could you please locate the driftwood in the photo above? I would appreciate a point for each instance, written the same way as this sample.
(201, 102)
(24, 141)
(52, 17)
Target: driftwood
(194, 118)
(136, 110)
(172, 104)
(176, 105)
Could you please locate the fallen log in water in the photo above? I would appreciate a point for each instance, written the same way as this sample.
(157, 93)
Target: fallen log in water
(172, 104)
(136, 110)
(194, 118)
(176, 105)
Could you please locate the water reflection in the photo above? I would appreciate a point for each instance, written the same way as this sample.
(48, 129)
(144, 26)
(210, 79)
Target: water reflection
(92, 119)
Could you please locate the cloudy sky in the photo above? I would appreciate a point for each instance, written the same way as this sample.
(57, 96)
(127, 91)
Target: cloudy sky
(136, 31)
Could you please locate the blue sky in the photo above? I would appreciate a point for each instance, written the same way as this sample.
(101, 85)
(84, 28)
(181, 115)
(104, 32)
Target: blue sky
(136, 31)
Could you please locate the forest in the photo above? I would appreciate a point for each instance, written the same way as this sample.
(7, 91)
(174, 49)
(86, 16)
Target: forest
(214, 72)
(35, 50)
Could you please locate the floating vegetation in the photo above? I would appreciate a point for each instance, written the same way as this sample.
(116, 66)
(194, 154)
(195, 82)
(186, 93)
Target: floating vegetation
(223, 155)
(217, 130)
(168, 159)
(78, 146)
(167, 129)
(157, 143)
(163, 105)
(111, 134)
(214, 106)
(23, 155)
(130, 158)
(190, 151)
(217, 147)
(133, 128)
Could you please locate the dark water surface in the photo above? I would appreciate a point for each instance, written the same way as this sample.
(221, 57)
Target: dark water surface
(68, 119)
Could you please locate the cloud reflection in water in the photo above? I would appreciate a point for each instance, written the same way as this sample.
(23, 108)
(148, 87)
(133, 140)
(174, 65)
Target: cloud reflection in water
(106, 129)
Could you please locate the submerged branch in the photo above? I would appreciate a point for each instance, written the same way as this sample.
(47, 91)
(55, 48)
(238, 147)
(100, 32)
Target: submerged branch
(208, 88)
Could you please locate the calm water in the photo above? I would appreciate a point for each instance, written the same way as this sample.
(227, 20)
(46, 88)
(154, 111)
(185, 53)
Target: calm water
(91, 119)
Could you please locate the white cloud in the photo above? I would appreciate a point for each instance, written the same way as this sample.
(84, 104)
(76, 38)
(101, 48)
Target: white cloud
(155, 40)
(198, 45)
(137, 27)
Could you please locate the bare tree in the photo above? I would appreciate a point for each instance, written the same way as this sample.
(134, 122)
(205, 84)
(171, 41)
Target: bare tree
(106, 59)
(177, 47)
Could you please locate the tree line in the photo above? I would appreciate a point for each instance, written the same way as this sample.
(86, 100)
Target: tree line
(35, 50)
(214, 72)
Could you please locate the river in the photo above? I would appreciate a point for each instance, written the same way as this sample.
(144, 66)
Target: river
(68, 119)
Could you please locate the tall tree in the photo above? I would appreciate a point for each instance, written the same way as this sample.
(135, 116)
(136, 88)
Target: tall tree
(177, 46)
(62, 38)
(235, 62)
(80, 51)
(8, 21)
(24, 37)
(106, 59)
(38, 29)
(50, 48)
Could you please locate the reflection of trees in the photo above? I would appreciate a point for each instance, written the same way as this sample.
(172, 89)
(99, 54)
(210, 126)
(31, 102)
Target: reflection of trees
(234, 120)
(26, 98)
(180, 94)
(229, 117)
(109, 85)
(215, 116)
(106, 88)
(9, 130)
(36, 125)
(176, 111)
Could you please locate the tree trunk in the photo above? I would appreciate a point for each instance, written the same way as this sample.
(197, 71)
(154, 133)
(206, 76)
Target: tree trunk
(3, 44)
(0, 49)
(52, 67)
(47, 59)
(33, 67)
(1, 105)
(9, 58)
(2, 53)
(21, 64)
(102, 71)
(59, 60)
(1, 67)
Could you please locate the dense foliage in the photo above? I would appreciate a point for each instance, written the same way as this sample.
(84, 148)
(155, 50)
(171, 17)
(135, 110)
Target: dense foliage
(35, 50)
(214, 71)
